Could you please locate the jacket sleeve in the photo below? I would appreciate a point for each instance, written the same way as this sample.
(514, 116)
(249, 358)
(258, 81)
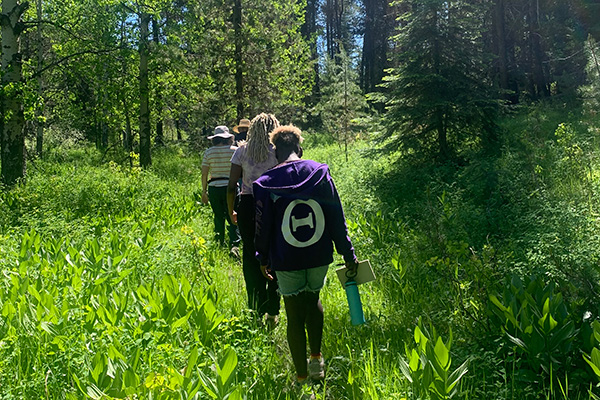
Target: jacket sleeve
(264, 222)
(336, 221)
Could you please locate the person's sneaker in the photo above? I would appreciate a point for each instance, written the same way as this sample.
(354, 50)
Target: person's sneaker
(271, 321)
(316, 369)
(235, 252)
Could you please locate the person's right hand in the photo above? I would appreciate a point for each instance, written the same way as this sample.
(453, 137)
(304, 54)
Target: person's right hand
(266, 272)
(204, 197)
(352, 267)
(233, 217)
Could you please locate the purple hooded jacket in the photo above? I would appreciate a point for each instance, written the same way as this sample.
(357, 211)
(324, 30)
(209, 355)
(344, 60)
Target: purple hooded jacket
(298, 217)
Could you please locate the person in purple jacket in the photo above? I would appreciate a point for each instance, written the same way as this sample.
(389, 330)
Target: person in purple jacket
(299, 217)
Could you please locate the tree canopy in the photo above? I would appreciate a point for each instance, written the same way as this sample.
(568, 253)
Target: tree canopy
(78, 69)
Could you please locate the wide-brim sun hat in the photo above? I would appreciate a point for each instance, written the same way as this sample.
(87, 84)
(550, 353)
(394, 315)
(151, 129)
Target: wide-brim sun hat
(221, 131)
(244, 123)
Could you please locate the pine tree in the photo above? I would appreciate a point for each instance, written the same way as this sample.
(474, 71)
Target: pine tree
(439, 97)
(342, 101)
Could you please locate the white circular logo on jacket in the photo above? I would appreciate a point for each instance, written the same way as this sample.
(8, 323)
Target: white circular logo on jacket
(314, 220)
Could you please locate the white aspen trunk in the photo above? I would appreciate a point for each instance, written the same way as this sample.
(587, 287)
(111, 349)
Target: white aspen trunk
(11, 104)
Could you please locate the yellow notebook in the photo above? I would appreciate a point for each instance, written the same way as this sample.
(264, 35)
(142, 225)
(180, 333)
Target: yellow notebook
(364, 273)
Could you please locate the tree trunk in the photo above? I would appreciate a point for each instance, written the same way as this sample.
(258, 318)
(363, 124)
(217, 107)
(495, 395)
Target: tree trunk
(128, 139)
(177, 128)
(39, 142)
(339, 13)
(511, 55)
(12, 120)
(442, 136)
(328, 27)
(159, 139)
(145, 157)
(127, 135)
(500, 41)
(103, 135)
(160, 136)
(309, 33)
(436, 42)
(346, 109)
(334, 10)
(375, 44)
(238, 57)
(367, 50)
(105, 110)
(538, 80)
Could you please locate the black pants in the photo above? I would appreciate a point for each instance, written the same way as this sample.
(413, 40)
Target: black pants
(217, 196)
(262, 293)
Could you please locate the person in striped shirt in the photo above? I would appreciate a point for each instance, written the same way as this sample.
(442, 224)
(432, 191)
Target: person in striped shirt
(216, 165)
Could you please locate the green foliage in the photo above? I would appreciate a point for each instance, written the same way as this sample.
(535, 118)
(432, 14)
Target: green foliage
(221, 387)
(536, 320)
(590, 92)
(462, 228)
(90, 94)
(593, 359)
(121, 291)
(549, 191)
(342, 102)
(277, 66)
(439, 100)
(83, 309)
(542, 339)
(87, 77)
(429, 366)
(84, 295)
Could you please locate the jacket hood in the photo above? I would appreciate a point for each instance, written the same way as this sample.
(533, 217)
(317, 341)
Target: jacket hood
(297, 176)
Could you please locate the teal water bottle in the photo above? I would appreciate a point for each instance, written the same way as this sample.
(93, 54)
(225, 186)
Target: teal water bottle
(356, 311)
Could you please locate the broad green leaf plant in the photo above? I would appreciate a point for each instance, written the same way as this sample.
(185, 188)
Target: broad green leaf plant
(593, 359)
(428, 368)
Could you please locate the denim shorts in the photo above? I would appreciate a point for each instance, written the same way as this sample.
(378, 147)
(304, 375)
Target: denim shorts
(304, 280)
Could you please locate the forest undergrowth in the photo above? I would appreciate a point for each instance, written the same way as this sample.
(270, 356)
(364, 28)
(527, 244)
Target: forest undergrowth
(487, 277)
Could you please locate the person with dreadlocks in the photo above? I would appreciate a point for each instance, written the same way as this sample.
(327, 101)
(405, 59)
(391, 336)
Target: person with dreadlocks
(249, 161)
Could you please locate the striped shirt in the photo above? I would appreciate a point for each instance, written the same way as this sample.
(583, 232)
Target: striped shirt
(218, 160)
